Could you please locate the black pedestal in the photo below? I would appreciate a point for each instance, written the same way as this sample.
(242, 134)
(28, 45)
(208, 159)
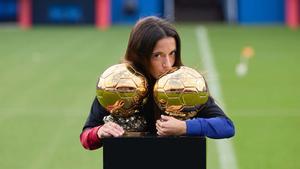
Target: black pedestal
(154, 152)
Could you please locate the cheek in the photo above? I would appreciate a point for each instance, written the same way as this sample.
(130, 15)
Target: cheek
(154, 68)
(173, 61)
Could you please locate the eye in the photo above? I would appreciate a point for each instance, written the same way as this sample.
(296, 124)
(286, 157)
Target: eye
(156, 55)
(173, 53)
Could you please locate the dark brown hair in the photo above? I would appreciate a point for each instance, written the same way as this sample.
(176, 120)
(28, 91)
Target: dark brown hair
(142, 40)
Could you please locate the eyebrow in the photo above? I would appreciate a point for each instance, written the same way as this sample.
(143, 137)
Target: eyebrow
(174, 50)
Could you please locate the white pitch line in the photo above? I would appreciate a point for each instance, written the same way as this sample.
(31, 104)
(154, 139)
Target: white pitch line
(225, 149)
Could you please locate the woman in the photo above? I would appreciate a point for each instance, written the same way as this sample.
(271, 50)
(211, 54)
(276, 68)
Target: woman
(153, 49)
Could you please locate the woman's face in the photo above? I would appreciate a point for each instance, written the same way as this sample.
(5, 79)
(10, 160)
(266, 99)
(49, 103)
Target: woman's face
(163, 56)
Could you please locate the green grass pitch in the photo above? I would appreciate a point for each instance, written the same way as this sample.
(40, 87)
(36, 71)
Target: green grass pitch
(48, 77)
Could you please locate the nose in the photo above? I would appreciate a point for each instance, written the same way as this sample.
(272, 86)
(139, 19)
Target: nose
(167, 62)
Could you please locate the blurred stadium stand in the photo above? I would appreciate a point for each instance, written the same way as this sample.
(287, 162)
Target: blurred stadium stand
(261, 11)
(128, 11)
(199, 10)
(8, 10)
(63, 12)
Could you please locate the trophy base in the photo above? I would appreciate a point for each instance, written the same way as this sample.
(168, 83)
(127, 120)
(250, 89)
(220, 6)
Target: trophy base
(135, 123)
(134, 134)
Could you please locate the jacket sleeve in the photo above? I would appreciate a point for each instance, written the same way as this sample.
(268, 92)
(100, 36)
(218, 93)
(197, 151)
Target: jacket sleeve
(217, 127)
(88, 136)
(211, 122)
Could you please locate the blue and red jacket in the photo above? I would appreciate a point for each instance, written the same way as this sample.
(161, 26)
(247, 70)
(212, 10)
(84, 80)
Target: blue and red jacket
(210, 122)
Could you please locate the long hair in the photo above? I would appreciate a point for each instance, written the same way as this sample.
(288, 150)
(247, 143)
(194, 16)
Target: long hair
(143, 38)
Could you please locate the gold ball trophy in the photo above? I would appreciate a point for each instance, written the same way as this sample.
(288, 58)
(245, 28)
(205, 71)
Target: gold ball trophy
(181, 92)
(122, 90)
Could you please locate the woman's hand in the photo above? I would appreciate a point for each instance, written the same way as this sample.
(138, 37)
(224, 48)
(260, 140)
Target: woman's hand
(167, 126)
(110, 129)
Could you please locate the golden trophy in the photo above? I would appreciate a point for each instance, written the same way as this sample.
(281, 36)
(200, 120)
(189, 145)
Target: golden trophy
(122, 90)
(181, 92)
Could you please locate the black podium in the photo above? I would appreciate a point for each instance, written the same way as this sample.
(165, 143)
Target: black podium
(154, 152)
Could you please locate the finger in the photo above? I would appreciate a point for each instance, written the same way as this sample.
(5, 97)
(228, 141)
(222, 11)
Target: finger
(111, 130)
(115, 132)
(165, 118)
(160, 133)
(116, 126)
(160, 129)
(102, 133)
(159, 123)
(105, 134)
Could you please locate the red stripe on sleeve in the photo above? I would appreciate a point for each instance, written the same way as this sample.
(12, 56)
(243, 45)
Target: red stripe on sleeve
(89, 138)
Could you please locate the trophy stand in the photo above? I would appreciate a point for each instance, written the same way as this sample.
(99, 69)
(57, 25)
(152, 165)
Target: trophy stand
(134, 125)
(154, 152)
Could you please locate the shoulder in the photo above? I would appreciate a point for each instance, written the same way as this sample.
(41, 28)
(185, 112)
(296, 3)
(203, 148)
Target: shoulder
(96, 115)
(97, 107)
(211, 109)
